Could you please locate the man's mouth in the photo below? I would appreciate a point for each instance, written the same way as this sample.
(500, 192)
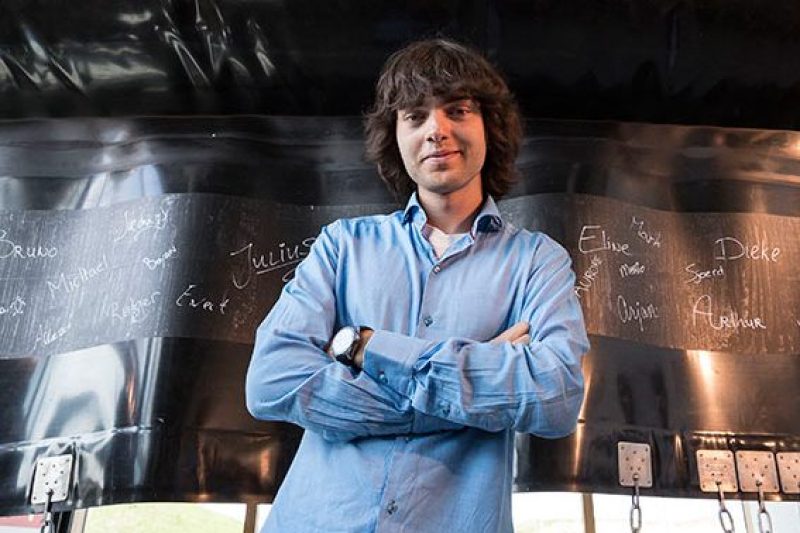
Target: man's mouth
(440, 155)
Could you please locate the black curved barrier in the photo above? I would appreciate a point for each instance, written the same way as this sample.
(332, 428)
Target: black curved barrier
(689, 62)
(138, 256)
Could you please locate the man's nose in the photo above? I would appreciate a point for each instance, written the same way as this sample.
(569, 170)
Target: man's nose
(438, 127)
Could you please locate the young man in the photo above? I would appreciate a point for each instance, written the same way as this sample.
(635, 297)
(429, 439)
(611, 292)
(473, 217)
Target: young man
(411, 346)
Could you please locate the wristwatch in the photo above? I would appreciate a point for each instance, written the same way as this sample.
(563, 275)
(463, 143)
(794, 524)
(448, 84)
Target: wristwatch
(344, 343)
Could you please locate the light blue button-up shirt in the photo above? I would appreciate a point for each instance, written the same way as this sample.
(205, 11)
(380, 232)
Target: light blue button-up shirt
(421, 439)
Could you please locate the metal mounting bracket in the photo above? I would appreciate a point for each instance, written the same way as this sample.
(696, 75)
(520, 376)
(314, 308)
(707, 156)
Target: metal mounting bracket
(755, 467)
(716, 470)
(789, 468)
(634, 463)
(52, 473)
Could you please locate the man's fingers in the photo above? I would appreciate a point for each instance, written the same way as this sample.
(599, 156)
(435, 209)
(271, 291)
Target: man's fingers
(502, 337)
(512, 333)
(517, 330)
(525, 339)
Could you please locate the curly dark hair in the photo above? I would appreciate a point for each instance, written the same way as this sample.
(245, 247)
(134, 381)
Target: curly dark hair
(444, 69)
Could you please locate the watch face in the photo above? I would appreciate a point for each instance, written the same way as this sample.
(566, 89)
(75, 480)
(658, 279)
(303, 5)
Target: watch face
(343, 339)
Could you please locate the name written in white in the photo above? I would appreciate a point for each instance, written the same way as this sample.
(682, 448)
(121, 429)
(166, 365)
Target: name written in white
(251, 264)
(637, 312)
(161, 260)
(703, 312)
(594, 239)
(731, 249)
(190, 298)
(9, 248)
(698, 276)
(635, 269)
(651, 238)
(134, 224)
(16, 307)
(70, 283)
(46, 336)
(134, 310)
(588, 277)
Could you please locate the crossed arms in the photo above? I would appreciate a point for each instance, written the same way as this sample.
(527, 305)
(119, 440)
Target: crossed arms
(410, 385)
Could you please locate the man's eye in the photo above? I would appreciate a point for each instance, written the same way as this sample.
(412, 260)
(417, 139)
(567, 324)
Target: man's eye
(413, 117)
(460, 111)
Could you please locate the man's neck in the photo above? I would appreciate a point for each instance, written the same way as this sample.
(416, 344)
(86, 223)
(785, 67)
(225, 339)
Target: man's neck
(451, 213)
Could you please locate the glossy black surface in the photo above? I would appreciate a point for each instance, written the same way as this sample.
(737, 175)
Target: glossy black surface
(676, 401)
(148, 420)
(164, 419)
(691, 62)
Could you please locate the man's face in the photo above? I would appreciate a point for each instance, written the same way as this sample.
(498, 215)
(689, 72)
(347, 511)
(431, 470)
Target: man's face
(443, 145)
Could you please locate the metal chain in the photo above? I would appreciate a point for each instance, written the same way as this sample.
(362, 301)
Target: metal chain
(636, 511)
(725, 518)
(764, 520)
(47, 517)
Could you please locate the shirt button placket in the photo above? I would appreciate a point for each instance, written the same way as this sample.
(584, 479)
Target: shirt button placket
(427, 320)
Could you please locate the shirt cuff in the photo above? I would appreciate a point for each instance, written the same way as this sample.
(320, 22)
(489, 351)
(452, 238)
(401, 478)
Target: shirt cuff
(389, 358)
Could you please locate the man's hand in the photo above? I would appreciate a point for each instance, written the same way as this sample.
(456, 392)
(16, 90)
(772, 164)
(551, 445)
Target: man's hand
(358, 357)
(516, 334)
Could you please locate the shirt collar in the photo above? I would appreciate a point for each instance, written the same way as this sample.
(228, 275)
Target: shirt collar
(487, 221)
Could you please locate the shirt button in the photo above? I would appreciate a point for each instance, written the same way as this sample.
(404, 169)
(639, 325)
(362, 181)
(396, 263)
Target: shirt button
(437, 269)
(382, 377)
(427, 321)
(392, 507)
(446, 410)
